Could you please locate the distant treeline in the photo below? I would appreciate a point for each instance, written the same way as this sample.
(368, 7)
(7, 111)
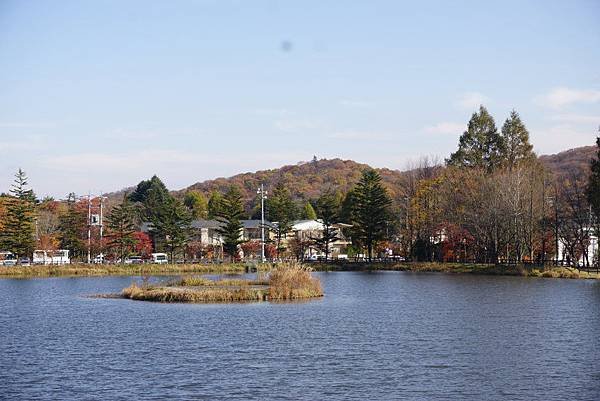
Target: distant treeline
(492, 200)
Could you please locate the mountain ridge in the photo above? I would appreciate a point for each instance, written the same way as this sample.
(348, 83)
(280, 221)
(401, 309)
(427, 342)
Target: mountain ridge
(307, 180)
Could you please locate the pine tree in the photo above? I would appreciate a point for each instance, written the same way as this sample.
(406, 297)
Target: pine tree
(19, 227)
(346, 207)
(19, 188)
(328, 208)
(214, 204)
(515, 136)
(230, 213)
(121, 225)
(481, 145)
(171, 226)
(153, 196)
(71, 226)
(282, 211)
(370, 210)
(593, 187)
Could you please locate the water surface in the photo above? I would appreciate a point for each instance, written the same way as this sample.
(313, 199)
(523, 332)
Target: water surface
(386, 335)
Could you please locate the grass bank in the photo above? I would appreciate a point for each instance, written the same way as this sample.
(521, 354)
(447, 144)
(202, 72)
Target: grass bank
(462, 268)
(285, 282)
(116, 270)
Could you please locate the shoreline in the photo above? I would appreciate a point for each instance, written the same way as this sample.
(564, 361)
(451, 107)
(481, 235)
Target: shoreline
(91, 270)
(461, 268)
(85, 270)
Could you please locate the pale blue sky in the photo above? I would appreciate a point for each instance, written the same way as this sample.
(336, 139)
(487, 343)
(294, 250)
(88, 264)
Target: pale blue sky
(97, 95)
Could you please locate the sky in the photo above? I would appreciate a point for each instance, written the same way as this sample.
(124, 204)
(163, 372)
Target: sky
(96, 96)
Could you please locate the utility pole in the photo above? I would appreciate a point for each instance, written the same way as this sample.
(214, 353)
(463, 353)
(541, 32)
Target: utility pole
(556, 227)
(262, 193)
(89, 233)
(102, 197)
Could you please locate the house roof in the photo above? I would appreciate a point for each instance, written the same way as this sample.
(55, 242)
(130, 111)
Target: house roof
(206, 224)
(199, 224)
(311, 225)
(307, 225)
(255, 223)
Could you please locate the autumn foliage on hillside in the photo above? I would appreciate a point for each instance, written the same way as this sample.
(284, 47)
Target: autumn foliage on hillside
(570, 163)
(307, 180)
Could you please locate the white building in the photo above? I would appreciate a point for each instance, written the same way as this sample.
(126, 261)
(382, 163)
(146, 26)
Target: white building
(592, 251)
(308, 230)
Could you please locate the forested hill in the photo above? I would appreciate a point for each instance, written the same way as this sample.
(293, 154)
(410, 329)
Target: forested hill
(572, 162)
(309, 179)
(304, 180)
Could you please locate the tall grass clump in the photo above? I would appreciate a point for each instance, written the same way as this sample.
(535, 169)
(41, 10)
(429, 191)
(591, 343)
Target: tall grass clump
(209, 294)
(293, 281)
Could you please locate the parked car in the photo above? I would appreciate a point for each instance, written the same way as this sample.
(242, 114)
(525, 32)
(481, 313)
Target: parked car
(25, 261)
(160, 258)
(9, 262)
(134, 260)
(7, 259)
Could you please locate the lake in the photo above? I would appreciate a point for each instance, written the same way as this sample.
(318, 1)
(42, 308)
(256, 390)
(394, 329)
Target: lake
(384, 335)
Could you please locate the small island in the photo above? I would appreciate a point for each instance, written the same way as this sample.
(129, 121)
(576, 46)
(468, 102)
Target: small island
(286, 282)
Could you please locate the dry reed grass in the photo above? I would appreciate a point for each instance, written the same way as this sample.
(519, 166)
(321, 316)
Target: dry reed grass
(174, 294)
(293, 281)
(288, 281)
(196, 281)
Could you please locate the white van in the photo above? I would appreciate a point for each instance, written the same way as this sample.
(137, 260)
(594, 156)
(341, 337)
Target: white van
(45, 257)
(160, 258)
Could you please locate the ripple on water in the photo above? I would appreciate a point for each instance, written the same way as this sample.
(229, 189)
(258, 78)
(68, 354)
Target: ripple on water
(373, 336)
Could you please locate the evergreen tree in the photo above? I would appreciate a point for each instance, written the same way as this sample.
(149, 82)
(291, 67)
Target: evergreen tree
(171, 226)
(19, 188)
(197, 204)
(516, 141)
(121, 225)
(19, 227)
(370, 210)
(72, 224)
(480, 145)
(308, 212)
(214, 205)
(346, 207)
(282, 211)
(328, 208)
(593, 187)
(230, 213)
(153, 196)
